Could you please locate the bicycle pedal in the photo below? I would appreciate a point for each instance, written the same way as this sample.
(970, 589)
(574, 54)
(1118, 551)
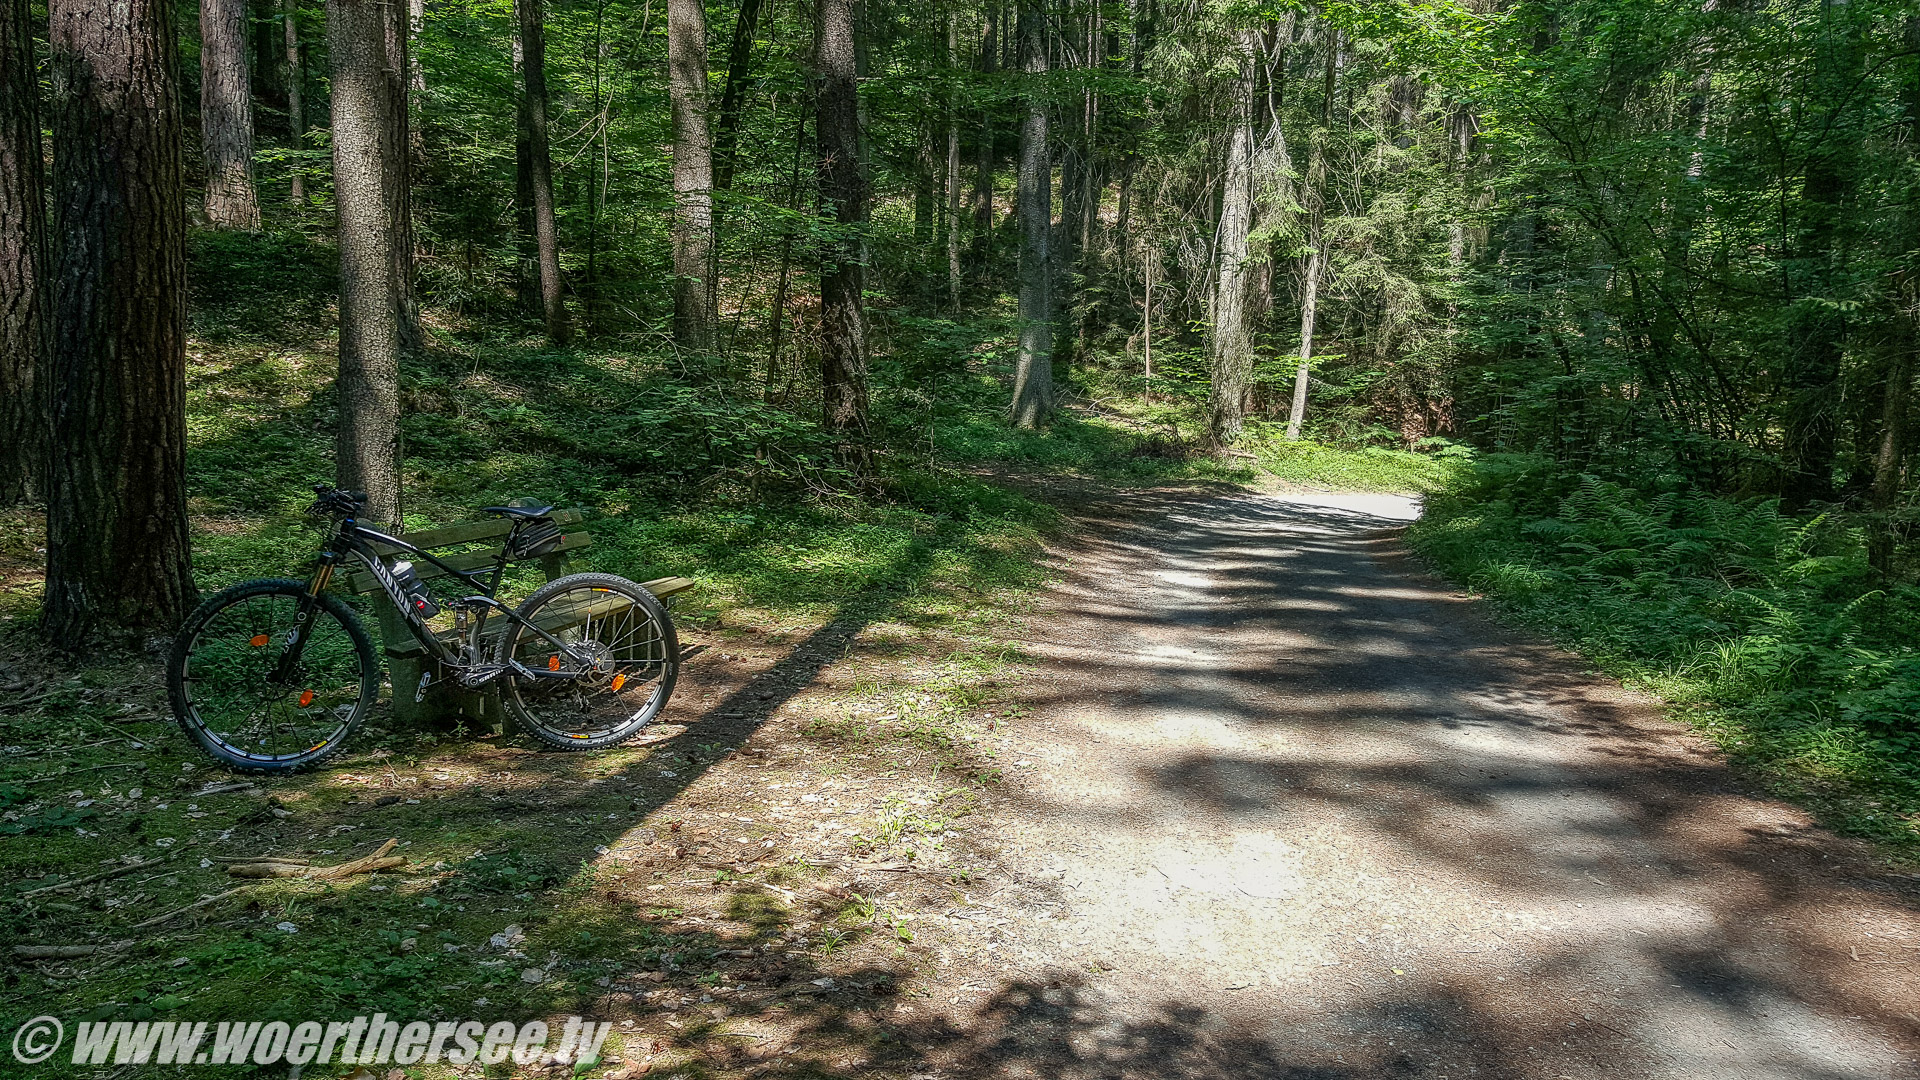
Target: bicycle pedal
(420, 692)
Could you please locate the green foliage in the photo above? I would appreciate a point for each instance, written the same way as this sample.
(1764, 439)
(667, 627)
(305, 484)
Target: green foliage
(1365, 468)
(1802, 659)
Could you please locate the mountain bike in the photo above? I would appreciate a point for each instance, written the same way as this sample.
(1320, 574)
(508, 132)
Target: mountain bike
(276, 675)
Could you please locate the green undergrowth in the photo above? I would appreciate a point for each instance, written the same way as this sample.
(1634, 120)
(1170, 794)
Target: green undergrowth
(1364, 468)
(1769, 633)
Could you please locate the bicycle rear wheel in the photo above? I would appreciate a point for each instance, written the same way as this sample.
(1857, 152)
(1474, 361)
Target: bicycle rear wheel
(219, 677)
(610, 674)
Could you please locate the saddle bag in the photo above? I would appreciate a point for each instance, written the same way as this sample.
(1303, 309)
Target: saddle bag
(533, 536)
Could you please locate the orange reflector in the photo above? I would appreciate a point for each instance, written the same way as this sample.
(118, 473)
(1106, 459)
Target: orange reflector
(553, 663)
(258, 640)
(306, 698)
(618, 682)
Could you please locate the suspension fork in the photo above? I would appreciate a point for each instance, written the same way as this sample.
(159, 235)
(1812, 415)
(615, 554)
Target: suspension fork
(296, 640)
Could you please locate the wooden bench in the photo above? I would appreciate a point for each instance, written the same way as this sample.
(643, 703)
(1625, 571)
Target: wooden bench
(445, 703)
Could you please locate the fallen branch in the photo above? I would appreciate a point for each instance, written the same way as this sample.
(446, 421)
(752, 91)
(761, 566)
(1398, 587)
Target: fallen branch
(291, 868)
(223, 788)
(54, 952)
(249, 859)
(124, 868)
(197, 904)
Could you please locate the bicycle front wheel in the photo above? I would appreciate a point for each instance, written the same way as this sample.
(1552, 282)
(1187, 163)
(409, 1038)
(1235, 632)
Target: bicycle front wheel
(598, 668)
(221, 677)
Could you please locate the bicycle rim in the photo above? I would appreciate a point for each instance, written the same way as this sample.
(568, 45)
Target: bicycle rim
(231, 699)
(613, 674)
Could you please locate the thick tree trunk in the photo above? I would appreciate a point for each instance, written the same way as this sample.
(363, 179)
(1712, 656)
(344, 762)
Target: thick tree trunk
(1033, 368)
(117, 551)
(24, 265)
(1232, 328)
(369, 152)
(733, 98)
(296, 96)
(539, 167)
(693, 287)
(226, 115)
(843, 187)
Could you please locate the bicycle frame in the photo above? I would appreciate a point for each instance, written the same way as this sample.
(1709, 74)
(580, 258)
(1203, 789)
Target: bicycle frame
(352, 538)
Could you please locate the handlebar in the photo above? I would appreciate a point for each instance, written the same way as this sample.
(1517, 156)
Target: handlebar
(337, 502)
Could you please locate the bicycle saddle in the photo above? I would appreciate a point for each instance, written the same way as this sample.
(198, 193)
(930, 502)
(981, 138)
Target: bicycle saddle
(518, 511)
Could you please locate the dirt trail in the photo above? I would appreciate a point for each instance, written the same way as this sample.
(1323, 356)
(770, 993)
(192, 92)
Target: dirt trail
(1286, 807)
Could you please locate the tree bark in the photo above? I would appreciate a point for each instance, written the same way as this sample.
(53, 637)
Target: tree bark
(369, 155)
(226, 115)
(843, 187)
(117, 550)
(983, 153)
(733, 98)
(953, 165)
(1232, 328)
(1033, 368)
(1312, 197)
(24, 265)
(1888, 462)
(693, 287)
(296, 97)
(539, 166)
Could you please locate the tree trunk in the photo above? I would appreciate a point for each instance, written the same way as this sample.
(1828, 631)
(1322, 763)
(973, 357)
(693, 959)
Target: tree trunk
(226, 115)
(369, 151)
(1892, 450)
(117, 550)
(1232, 329)
(416, 23)
(983, 153)
(1033, 369)
(843, 186)
(693, 270)
(953, 166)
(539, 167)
(296, 98)
(1312, 198)
(399, 181)
(733, 98)
(527, 260)
(1309, 300)
(24, 265)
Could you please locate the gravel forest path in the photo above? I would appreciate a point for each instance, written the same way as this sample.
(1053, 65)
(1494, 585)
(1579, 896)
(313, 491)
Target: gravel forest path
(1283, 806)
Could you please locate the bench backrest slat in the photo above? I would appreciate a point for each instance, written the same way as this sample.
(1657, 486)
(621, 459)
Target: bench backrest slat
(428, 539)
(553, 560)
